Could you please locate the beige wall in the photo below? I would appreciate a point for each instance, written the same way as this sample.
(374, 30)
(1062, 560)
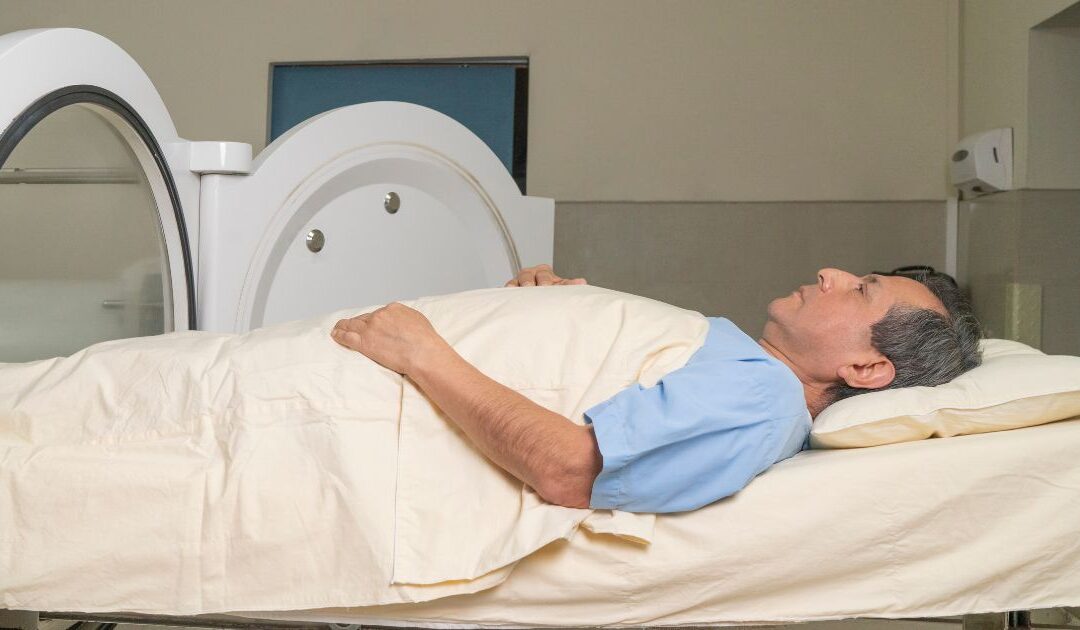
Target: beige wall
(1026, 237)
(1054, 108)
(736, 100)
(732, 259)
(994, 68)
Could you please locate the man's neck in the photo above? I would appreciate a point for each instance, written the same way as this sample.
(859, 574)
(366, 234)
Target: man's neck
(815, 393)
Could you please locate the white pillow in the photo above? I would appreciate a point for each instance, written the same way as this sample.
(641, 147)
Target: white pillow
(1016, 386)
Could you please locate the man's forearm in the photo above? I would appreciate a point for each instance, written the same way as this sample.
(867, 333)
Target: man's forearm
(551, 454)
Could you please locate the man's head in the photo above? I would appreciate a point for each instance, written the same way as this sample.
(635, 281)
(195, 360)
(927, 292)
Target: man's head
(852, 334)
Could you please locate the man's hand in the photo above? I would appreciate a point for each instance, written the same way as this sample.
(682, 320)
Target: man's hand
(395, 336)
(541, 275)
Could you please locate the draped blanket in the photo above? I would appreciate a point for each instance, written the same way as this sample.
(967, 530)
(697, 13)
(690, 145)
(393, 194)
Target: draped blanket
(275, 470)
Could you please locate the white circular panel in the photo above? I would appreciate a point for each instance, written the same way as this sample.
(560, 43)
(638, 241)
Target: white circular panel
(443, 237)
(307, 231)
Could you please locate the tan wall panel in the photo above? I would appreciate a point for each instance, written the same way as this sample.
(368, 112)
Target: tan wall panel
(1054, 108)
(732, 259)
(1028, 237)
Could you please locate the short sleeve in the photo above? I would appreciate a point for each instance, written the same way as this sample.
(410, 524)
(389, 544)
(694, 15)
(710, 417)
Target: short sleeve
(700, 434)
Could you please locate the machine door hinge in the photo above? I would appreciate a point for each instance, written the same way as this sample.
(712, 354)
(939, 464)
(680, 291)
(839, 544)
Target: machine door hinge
(219, 158)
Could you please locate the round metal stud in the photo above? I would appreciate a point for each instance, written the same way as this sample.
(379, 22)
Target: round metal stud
(315, 240)
(392, 202)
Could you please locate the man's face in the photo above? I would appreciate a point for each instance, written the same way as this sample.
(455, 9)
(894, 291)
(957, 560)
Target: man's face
(825, 326)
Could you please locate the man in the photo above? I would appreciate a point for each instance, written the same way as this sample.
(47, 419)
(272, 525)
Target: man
(705, 430)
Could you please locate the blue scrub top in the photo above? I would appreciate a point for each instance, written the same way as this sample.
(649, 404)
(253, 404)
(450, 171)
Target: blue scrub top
(703, 431)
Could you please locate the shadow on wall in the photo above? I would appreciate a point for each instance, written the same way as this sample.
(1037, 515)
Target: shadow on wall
(731, 259)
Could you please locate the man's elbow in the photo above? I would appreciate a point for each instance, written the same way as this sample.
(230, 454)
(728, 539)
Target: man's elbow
(570, 485)
(567, 493)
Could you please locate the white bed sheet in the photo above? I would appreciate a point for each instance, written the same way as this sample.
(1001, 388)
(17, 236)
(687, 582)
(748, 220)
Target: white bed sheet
(196, 473)
(940, 527)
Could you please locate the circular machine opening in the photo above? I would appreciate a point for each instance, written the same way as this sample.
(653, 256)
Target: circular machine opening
(89, 216)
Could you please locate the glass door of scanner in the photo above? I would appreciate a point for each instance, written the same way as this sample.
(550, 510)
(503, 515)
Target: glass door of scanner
(83, 254)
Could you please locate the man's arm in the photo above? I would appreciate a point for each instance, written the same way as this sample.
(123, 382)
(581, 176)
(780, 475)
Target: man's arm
(555, 457)
(551, 454)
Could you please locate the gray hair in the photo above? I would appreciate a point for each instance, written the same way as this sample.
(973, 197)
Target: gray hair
(925, 347)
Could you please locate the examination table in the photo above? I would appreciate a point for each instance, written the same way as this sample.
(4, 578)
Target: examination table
(328, 500)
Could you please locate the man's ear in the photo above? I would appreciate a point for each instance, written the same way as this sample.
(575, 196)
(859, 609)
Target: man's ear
(876, 373)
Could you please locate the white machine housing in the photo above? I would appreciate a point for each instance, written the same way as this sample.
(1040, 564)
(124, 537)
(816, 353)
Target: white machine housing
(982, 163)
(405, 201)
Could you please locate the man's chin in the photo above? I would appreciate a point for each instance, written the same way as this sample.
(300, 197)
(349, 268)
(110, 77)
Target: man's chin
(776, 308)
(792, 300)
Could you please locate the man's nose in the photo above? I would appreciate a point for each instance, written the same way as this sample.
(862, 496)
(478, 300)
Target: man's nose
(824, 279)
(829, 278)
